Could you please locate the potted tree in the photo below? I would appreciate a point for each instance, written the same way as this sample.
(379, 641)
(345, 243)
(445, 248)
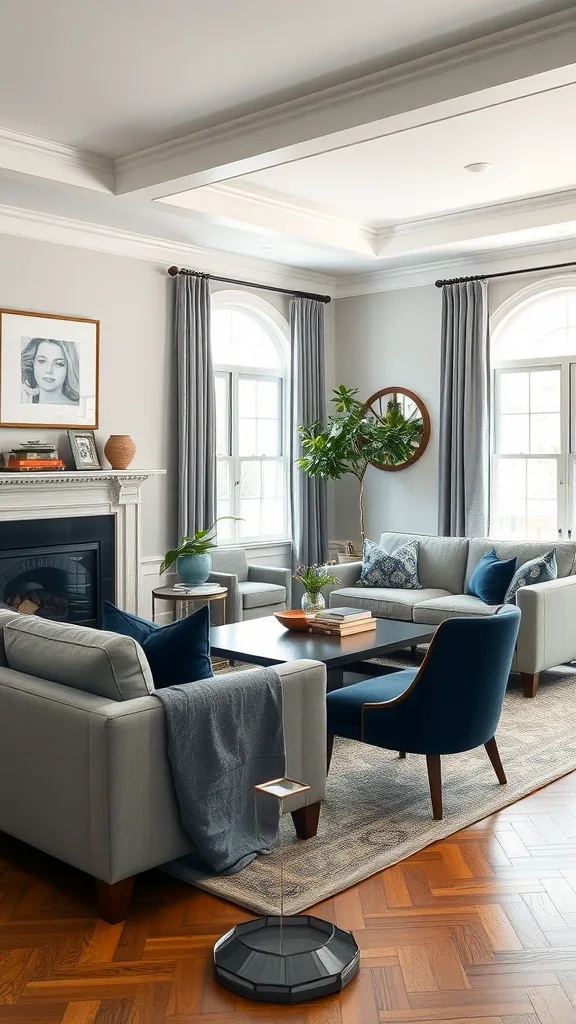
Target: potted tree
(353, 437)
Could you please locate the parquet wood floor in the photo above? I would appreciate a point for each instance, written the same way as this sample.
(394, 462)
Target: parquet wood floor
(477, 929)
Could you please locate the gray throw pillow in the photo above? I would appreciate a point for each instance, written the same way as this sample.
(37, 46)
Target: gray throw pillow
(537, 570)
(397, 571)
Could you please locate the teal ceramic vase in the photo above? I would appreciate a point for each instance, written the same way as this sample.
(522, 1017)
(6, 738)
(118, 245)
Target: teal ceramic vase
(193, 569)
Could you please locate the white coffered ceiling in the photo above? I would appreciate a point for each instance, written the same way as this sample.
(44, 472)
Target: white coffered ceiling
(313, 134)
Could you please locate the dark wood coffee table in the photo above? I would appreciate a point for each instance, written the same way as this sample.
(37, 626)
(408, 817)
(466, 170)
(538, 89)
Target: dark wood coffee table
(265, 642)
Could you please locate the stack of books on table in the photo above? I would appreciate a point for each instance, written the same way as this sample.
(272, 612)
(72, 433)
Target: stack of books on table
(33, 456)
(343, 621)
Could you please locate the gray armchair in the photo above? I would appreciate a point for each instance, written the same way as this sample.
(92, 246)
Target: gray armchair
(253, 590)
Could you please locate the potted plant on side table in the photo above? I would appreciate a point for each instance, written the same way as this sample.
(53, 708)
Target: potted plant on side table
(193, 561)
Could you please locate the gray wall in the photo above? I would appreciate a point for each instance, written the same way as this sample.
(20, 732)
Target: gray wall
(391, 339)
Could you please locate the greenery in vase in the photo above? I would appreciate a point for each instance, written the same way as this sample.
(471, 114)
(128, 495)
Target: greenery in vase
(354, 437)
(199, 544)
(314, 578)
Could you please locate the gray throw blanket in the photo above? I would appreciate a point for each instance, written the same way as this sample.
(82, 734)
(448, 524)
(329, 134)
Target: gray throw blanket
(225, 735)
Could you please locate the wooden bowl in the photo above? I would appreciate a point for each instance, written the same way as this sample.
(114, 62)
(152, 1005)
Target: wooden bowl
(295, 620)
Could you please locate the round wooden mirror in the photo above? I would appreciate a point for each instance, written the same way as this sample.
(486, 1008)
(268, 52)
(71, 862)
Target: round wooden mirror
(407, 415)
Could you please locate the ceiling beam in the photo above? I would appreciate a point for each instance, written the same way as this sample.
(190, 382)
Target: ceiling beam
(491, 70)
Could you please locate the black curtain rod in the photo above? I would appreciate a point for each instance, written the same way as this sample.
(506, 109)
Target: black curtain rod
(505, 273)
(249, 284)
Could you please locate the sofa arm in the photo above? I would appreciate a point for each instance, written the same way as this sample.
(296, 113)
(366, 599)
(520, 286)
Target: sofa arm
(304, 702)
(547, 634)
(348, 573)
(272, 574)
(233, 597)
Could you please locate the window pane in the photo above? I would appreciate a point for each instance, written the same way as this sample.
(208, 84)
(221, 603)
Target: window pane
(250, 484)
(542, 479)
(541, 520)
(247, 437)
(544, 433)
(224, 528)
(247, 397)
(509, 512)
(272, 517)
(268, 398)
(223, 480)
(511, 479)
(268, 440)
(222, 385)
(240, 338)
(272, 480)
(514, 392)
(250, 512)
(544, 391)
(513, 435)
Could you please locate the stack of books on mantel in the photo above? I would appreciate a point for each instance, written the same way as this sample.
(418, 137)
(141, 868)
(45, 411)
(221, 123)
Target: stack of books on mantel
(33, 456)
(343, 621)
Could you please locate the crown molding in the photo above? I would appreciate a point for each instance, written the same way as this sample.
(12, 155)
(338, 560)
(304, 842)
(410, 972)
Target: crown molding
(42, 158)
(235, 137)
(100, 238)
(485, 261)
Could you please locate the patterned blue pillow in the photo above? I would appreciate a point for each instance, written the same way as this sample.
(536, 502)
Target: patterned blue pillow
(398, 571)
(537, 570)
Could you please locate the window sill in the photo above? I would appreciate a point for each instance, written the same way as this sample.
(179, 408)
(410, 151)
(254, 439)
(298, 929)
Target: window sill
(248, 545)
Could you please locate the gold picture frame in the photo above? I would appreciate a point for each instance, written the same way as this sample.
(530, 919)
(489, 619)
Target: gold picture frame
(49, 370)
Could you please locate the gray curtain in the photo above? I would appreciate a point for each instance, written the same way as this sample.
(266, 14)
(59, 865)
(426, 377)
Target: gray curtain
(308, 496)
(196, 404)
(464, 411)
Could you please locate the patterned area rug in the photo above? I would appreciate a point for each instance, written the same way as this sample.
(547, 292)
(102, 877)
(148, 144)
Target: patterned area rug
(377, 809)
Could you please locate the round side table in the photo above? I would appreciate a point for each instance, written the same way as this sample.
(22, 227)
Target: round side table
(186, 599)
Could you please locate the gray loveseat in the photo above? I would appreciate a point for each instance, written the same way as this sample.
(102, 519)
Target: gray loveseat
(548, 628)
(84, 769)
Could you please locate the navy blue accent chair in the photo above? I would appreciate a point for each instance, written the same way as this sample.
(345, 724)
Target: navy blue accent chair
(452, 703)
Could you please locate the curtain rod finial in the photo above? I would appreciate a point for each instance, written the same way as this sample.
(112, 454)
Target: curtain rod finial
(172, 271)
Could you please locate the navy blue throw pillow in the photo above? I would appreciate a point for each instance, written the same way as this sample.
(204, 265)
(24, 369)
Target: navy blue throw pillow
(491, 578)
(177, 653)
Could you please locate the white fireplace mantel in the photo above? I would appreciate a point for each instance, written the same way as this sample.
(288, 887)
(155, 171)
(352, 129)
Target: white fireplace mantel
(100, 492)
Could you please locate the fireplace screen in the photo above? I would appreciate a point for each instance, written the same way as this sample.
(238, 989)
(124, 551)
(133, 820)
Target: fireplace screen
(57, 584)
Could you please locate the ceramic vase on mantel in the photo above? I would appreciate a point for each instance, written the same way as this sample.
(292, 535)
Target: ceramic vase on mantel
(119, 450)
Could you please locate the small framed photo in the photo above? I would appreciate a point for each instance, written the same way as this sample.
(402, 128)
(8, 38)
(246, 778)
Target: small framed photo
(84, 451)
(48, 370)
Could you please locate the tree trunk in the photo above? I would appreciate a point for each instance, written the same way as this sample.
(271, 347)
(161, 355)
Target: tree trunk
(362, 529)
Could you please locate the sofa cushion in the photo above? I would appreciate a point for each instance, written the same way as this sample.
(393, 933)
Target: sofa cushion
(438, 609)
(105, 664)
(491, 578)
(177, 653)
(382, 602)
(6, 615)
(441, 560)
(398, 570)
(259, 595)
(541, 569)
(522, 551)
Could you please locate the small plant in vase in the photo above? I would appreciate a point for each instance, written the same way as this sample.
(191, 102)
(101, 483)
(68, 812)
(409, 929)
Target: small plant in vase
(314, 578)
(193, 562)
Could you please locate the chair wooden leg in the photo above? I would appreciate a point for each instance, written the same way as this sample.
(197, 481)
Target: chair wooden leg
(492, 751)
(329, 750)
(114, 900)
(530, 683)
(402, 754)
(306, 820)
(413, 650)
(433, 765)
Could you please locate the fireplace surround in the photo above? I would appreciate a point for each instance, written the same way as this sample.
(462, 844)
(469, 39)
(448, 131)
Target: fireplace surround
(58, 500)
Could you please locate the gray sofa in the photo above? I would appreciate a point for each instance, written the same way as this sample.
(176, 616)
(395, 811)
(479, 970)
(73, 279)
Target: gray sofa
(548, 628)
(84, 769)
(253, 590)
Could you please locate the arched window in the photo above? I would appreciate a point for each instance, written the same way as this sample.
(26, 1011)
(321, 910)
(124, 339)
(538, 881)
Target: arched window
(534, 408)
(251, 356)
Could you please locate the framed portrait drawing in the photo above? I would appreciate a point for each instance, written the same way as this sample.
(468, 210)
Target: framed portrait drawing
(84, 451)
(48, 370)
